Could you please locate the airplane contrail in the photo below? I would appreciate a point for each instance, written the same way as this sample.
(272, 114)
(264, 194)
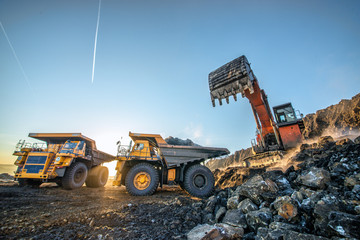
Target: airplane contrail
(16, 57)
(96, 34)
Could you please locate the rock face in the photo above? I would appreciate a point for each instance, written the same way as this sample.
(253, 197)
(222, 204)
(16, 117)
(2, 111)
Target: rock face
(343, 118)
(317, 199)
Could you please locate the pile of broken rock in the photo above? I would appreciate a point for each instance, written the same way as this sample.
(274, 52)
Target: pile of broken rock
(319, 200)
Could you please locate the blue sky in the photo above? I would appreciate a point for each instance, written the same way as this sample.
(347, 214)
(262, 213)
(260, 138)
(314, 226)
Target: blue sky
(152, 63)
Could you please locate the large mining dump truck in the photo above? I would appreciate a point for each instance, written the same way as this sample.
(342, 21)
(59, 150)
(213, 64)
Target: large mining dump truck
(69, 159)
(151, 161)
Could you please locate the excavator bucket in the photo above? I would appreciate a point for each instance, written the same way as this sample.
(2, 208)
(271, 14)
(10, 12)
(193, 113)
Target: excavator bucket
(230, 79)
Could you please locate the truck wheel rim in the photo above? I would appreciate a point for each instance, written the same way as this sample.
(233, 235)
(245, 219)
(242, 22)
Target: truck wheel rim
(79, 175)
(142, 180)
(199, 181)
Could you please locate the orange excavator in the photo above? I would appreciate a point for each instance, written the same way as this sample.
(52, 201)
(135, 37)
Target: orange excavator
(237, 77)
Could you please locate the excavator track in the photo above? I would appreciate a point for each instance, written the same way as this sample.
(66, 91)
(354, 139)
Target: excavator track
(262, 160)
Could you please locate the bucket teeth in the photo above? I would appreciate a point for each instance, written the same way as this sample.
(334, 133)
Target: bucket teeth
(230, 79)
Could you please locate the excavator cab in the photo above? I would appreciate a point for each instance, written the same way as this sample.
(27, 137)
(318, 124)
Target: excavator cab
(284, 114)
(289, 125)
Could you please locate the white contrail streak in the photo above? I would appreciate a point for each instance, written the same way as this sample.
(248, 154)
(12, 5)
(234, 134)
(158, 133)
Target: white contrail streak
(96, 34)
(16, 57)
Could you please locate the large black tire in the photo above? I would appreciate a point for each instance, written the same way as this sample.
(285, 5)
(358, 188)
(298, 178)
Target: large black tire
(97, 177)
(199, 181)
(142, 179)
(75, 176)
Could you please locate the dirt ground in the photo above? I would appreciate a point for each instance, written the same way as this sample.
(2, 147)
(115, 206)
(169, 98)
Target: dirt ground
(50, 212)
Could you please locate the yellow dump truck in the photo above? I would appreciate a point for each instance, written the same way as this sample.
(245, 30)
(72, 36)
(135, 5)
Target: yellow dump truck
(150, 161)
(69, 159)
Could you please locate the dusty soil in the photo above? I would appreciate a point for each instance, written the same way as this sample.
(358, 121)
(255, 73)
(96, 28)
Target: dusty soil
(105, 213)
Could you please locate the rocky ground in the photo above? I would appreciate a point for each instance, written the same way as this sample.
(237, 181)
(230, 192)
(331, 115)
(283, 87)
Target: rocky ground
(319, 200)
(108, 213)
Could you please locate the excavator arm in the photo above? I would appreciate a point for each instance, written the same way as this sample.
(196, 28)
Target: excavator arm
(237, 77)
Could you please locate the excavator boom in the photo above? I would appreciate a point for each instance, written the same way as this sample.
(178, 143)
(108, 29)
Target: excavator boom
(237, 77)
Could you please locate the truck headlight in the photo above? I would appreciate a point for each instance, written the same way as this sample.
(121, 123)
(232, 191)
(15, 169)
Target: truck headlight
(57, 159)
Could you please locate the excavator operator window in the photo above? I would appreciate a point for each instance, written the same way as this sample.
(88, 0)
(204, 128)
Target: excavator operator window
(284, 113)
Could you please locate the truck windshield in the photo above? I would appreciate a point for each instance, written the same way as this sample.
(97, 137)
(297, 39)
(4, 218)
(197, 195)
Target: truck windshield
(139, 146)
(70, 145)
(81, 145)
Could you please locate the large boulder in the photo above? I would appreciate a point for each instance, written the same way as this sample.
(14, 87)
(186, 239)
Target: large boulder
(210, 204)
(321, 213)
(235, 218)
(217, 231)
(270, 234)
(233, 202)
(247, 205)
(286, 207)
(220, 213)
(353, 180)
(344, 224)
(255, 187)
(259, 218)
(315, 178)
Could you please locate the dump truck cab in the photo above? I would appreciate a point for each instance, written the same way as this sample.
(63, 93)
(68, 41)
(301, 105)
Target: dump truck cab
(152, 162)
(69, 159)
(142, 149)
(69, 151)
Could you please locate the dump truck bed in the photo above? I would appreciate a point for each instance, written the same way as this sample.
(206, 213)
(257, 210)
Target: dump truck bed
(176, 155)
(99, 157)
(60, 138)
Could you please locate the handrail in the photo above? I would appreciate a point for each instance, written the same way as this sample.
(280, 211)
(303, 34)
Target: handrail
(146, 152)
(37, 146)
